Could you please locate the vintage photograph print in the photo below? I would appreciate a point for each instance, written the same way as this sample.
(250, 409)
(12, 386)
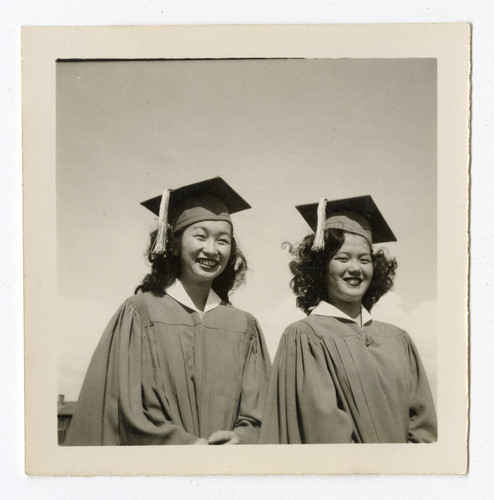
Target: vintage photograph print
(250, 236)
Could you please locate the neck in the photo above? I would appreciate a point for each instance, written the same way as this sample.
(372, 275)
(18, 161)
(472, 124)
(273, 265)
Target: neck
(198, 292)
(352, 309)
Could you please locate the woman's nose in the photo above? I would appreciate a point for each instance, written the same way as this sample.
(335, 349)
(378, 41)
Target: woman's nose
(210, 247)
(354, 267)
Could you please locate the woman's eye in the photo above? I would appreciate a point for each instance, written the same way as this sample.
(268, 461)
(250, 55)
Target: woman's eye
(224, 242)
(200, 237)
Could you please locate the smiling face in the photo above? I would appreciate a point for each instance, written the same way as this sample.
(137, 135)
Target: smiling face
(204, 251)
(350, 273)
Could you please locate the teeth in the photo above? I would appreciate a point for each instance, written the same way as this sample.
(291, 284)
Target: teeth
(207, 262)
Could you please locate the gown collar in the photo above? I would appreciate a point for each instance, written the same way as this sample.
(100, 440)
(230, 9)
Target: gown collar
(327, 309)
(178, 292)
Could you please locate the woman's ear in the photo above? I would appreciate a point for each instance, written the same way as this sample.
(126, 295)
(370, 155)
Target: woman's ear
(175, 248)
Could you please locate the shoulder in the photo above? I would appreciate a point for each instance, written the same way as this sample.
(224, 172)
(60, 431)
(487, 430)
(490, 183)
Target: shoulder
(325, 326)
(301, 328)
(302, 333)
(125, 319)
(250, 318)
(303, 325)
(139, 301)
(229, 317)
(154, 309)
(387, 329)
(133, 306)
(128, 305)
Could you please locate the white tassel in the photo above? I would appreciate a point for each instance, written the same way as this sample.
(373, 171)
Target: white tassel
(160, 241)
(321, 219)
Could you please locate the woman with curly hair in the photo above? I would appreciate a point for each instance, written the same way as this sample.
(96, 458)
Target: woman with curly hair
(178, 364)
(340, 376)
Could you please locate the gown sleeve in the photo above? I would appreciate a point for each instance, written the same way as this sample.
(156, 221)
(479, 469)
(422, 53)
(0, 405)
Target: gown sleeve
(255, 380)
(116, 405)
(423, 421)
(301, 405)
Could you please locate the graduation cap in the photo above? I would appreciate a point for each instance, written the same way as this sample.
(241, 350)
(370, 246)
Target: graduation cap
(212, 199)
(358, 215)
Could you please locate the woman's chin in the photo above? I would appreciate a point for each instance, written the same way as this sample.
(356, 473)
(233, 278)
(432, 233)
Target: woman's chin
(355, 293)
(206, 274)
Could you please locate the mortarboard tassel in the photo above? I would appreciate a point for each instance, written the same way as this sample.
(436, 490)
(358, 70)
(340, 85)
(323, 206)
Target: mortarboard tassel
(321, 219)
(160, 241)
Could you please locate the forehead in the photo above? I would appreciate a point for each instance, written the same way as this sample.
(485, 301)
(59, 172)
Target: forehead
(211, 226)
(355, 243)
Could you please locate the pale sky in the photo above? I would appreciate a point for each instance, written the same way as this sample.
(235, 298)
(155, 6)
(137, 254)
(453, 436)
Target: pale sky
(281, 133)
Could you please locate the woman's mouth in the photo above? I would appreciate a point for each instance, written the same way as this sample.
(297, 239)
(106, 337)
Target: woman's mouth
(353, 281)
(207, 263)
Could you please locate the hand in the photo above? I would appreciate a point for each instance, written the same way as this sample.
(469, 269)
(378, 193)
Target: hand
(200, 441)
(224, 437)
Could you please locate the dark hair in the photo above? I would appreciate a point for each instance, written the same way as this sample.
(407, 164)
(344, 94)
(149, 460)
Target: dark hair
(309, 269)
(165, 269)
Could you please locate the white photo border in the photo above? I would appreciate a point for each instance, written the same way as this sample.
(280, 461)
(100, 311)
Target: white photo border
(42, 46)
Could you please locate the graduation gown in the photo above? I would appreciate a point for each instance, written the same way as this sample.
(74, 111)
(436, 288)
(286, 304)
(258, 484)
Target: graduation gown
(162, 375)
(335, 382)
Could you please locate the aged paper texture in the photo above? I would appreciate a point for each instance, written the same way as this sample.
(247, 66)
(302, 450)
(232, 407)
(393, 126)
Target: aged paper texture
(72, 162)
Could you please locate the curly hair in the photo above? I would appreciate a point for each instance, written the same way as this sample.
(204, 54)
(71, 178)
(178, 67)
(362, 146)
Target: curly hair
(309, 269)
(165, 269)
